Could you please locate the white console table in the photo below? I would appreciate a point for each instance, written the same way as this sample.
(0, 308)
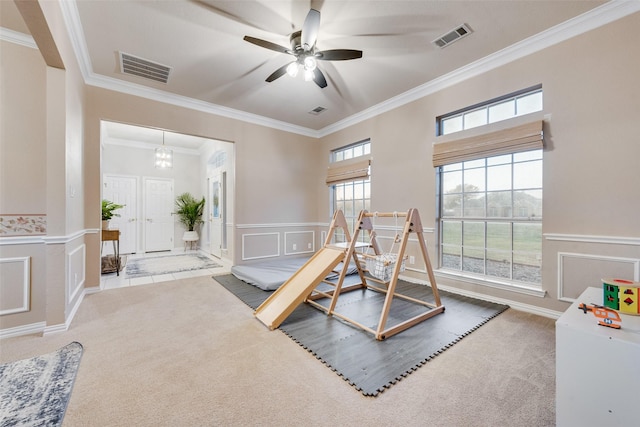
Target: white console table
(597, 368)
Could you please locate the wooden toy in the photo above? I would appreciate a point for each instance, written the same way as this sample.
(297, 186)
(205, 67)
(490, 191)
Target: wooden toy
(622, 295)
(607, 316)
(304, 285)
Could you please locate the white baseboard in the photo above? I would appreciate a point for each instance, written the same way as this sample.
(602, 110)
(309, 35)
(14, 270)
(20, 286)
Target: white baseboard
(527, 308)
(33, 328)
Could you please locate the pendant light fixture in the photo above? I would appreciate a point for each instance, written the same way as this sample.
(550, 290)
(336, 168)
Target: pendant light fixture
(164, 156)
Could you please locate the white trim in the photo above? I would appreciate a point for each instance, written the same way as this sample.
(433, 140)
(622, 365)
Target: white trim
(520, 288)
(588, 21)
(305, 251)
(400, 228)
(26, 284)
(601, 15)
(49, 240)
(283, 225)
(55, 329)
(22, 240)
(73, 292)
(92, 290)
(417, 270)
(60, 240)
(613, 240)
(18, 38)
(561, 255)
(277, 254)
(317, 224)
(33, 328)
(68, 318)
(528, 308)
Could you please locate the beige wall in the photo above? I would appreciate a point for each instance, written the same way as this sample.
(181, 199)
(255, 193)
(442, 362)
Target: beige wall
(273, 179)
(591, 159)
(591, 100)
(22, 82)
(47, 128)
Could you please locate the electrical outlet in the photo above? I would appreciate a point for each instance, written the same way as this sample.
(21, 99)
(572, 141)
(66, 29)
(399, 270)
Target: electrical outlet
(412, 260)
(295, 246)
(308, 245)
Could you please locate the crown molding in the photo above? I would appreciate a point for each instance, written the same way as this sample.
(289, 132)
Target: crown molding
(580, 24)
(15, 37)
(599, 16)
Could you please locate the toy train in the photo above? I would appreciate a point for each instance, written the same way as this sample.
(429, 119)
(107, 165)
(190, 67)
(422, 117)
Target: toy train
(622, 295)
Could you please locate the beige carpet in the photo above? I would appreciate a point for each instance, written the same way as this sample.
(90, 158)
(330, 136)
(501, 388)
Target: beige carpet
(189, 353)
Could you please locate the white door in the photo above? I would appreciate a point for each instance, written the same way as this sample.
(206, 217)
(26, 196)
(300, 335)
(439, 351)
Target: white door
(158, 213)
(215, 216)
(123, 190)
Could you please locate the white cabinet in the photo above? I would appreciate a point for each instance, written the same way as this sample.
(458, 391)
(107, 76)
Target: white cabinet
(597, 368)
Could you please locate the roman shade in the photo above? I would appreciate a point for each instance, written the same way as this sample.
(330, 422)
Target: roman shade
(348, 170)
(512, 140)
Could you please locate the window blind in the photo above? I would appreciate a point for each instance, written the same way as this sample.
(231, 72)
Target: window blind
(348, 170)
(519, 138)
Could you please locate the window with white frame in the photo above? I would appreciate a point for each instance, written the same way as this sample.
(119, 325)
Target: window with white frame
(351, 190)
(513, 105)
(490, 196)
(491, 216)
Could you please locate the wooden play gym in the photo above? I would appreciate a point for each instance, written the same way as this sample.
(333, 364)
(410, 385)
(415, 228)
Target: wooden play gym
(304, 285)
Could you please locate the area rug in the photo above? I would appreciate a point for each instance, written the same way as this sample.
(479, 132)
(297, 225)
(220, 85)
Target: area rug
(369, 365)
(35, 392)
(156, 266)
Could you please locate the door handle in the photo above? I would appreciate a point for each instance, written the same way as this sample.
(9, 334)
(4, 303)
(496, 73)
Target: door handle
(149, 220)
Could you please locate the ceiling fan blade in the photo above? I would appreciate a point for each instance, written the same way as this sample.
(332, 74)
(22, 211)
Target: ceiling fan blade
(267, 45)
(338, 54)
(278, 73)
(318, 77)
(310, 30)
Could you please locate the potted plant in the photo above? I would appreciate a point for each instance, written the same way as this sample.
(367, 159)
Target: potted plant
(189, 213)
(108, 208)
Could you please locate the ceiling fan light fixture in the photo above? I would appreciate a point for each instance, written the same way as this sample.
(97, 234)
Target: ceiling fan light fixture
(308, 75)
(292, 69)
(303, 47)
(310, 63)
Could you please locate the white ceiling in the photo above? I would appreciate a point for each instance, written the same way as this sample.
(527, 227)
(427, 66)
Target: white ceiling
(213, 68)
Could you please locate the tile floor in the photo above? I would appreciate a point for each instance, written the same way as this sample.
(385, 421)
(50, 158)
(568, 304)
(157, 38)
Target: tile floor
(112, 281)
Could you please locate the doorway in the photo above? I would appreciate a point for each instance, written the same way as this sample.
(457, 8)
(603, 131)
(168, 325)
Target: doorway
(218, 214)
(128, 160)
(123, 190)
(158, 214)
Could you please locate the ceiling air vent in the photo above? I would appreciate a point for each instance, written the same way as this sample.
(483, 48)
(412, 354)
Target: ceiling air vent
(317, 110)
(135, 66)
(453, 35)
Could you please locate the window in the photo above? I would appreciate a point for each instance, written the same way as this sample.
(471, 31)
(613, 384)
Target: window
(491, 216)
(351, 195)
(503, 108)
(490, 193)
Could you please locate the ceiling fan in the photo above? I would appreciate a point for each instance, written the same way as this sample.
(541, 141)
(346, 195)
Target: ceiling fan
(303, 47)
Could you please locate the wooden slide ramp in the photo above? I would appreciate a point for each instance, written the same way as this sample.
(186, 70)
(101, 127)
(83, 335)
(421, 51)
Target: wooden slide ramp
(291, 293)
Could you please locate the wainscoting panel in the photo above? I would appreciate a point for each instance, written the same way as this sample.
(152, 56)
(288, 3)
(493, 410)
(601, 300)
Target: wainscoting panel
(15, 285)
(299, 242)
(577, 271)
(260, 245)
(76, 271)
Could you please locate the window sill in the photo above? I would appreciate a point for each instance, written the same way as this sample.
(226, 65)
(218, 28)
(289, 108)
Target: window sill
(521, 288)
